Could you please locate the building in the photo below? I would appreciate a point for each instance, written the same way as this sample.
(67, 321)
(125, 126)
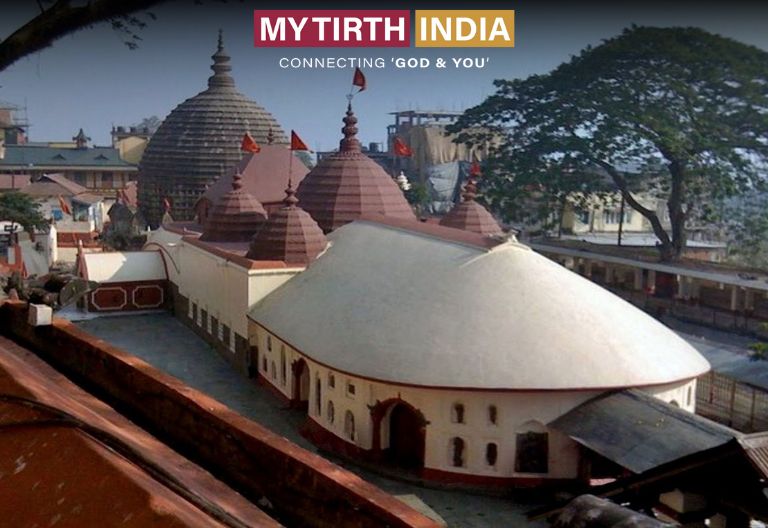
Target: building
(100, 169)
(348, 184)
(449, 352)
(198, 142)
(265, 175)
(130, 142)
(77, 213)
(445, 351)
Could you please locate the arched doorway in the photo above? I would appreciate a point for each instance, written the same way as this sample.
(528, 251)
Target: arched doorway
(406, 437)
(300, 383)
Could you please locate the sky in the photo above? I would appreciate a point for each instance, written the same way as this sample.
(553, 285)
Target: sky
(90, 79)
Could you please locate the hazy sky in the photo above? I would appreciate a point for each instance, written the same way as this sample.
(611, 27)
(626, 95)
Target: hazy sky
(92, 80)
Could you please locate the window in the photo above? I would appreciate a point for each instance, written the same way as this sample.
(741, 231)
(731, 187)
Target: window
(491, 454)
(532, 453)
(457, 451)
(349, 425)
(582, 215)
(79, 178)
(688, 396)
(107, 180)
(269, 343)
(457, 413)
(225, 334)
(318, 396)
(264, 364)
(329, 412)
(493, 414)
(350, 389)
(612, 216)
(283, 373)
(194, 312)
(331, 380)
(274, 370)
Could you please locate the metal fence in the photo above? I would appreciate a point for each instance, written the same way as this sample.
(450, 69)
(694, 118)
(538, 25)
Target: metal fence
(732, 403)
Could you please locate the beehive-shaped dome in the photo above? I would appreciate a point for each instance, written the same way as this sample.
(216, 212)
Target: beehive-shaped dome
(348, 184)
(290, 235)
(235, 217)
(198, 142)
(469, 215)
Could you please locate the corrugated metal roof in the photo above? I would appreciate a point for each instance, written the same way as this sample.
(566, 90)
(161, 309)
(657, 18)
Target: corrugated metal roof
(639, 432)
(756, 448)
(40, 156)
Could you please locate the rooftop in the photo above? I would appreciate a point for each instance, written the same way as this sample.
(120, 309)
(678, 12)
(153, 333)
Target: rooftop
(468, 312)
(45, 157)
(638, 431)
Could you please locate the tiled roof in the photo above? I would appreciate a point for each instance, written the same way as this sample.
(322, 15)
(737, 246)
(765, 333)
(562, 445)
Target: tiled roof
(13, 181)
(235, 217)
(54, 185)
(469, 215)
(289, 235)
(41, 157)
(348, 184)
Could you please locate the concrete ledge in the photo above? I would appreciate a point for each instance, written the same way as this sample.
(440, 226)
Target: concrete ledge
(304, 488)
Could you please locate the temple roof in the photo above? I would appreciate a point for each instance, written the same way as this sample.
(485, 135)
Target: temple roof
(265, 174)
(290, 235)
(348, 184)
(439, 307)
(199, 141)
(235, 217)
(469, 215)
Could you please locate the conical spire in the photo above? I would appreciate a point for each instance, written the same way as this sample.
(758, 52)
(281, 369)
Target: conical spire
(220, 67)
(350, 143)
(469, 215)
(237, 182)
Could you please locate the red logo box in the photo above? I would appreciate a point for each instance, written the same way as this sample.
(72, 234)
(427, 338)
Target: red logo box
(332, 28)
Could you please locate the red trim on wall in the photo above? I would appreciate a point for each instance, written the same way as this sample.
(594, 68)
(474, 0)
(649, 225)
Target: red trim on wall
(127, 301)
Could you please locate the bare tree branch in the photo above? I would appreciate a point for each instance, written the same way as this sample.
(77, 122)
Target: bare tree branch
(61, 19)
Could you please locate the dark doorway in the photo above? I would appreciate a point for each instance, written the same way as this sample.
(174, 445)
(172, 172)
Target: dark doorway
(301, 385)
(406, 437)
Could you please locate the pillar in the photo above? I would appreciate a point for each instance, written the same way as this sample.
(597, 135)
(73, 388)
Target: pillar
(651, 286)
(608, 274)
(734, 298)
(638, 279)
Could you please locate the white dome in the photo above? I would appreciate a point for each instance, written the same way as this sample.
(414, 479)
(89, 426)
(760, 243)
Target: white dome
(413, 307)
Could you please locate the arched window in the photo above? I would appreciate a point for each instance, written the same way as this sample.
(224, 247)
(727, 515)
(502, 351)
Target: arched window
(283, 369)
(688, 395)
(457, 451)
(493, 414)
(269, 343)
(330, 412)
(491, 454)
(674, 403)
(331, 380)
(274, 370)
(318, 396)
(532, 449)
(349, 425)
(457, 413)
(264, 363)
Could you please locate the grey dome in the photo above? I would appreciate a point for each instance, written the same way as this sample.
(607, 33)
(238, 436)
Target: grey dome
(198, 142)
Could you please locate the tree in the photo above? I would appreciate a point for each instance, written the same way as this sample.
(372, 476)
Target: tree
(746, 222)
(151, 123)
(60, 18)
(23, 210)
(677, 112)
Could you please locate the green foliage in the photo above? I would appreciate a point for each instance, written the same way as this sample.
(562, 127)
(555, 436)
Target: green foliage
(746, 222)
(22, 209)
(677, 113)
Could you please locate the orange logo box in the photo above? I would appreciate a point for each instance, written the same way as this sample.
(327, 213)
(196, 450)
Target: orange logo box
(482, 28)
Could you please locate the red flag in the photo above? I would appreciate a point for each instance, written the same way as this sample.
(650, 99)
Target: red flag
(401, 149)
(474, 170)
(249, 144)
(64, 206)
(297, 143)
(359, 80)
(166, 205)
